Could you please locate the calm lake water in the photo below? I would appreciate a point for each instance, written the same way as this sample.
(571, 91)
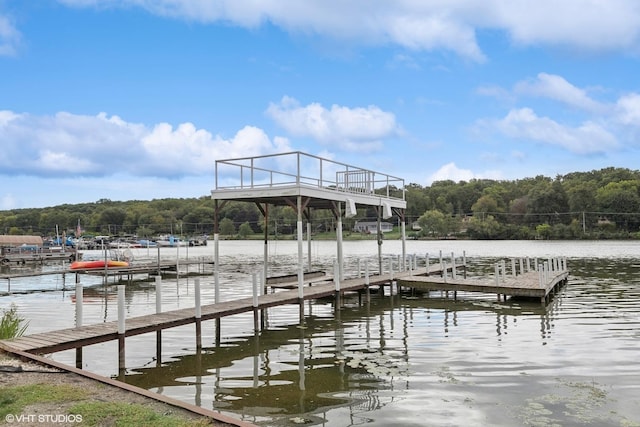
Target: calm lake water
(406, 361)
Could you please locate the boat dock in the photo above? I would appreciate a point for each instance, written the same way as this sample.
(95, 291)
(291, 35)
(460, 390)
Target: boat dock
(537, 283)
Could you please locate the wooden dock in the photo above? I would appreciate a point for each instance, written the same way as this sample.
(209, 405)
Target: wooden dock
(525, 285)
(533, 284)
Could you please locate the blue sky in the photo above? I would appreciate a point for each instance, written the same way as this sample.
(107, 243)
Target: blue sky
(136, 99)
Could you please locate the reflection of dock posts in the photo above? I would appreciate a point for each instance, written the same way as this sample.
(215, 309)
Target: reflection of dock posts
(79, 296)
(301, 372)
(256, 359)
(198, 314)
(158, 311)
(359, 275)
(198, 396)
(121, 331)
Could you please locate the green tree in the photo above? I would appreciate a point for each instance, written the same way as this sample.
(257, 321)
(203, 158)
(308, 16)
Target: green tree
(245, 230)
(226, 227)
(484, 228)
(543, 230)
(620, 199)
(433, 223)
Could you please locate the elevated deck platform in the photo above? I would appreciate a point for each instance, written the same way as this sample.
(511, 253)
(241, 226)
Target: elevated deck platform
(276, 179)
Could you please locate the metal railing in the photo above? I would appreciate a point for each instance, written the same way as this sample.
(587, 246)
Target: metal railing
(301, 169)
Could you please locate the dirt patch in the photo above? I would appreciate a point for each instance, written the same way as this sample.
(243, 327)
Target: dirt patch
(16, 372)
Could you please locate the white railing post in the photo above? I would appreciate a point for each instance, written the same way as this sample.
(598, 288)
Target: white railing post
(79, 297)
(426, 262)
(121, 313)
(254, 278)
(197, 295)
(158, 294)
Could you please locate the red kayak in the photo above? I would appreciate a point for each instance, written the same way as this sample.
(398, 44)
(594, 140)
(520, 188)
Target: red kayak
(86, 265)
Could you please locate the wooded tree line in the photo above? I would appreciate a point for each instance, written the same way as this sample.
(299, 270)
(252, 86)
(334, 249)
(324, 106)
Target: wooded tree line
(602, 203)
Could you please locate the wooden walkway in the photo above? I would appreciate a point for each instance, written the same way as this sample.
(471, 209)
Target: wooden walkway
(526, 284)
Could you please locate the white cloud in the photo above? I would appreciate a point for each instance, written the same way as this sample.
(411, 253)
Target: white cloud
(66, 145)
(523, 123)
(591, 25)
(9, 37)
(558, 88)
(451, 172)
(628, 109)
(419, 25)
(350, 129)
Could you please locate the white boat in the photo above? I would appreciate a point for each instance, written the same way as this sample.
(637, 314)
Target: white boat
(170, 241)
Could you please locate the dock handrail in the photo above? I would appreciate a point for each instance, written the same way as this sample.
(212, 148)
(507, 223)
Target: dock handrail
(286, 169)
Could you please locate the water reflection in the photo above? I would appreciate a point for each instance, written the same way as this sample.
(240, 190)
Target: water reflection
(403, 360)
(342, 357)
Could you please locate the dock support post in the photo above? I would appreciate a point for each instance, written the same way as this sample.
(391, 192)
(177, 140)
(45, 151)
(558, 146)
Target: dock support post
(366, 281)
(336, 281)
(521, 266)
(79, 296)
(441, 263)
(513, 267)
(198, 314)
(453, 266)
(540, 278)
(216, 280)
(497, 273)
(308, 243)
(300, 254)
(121, 331)
(444, 273)
(464, 263)
(158, 280)
(426, 261)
